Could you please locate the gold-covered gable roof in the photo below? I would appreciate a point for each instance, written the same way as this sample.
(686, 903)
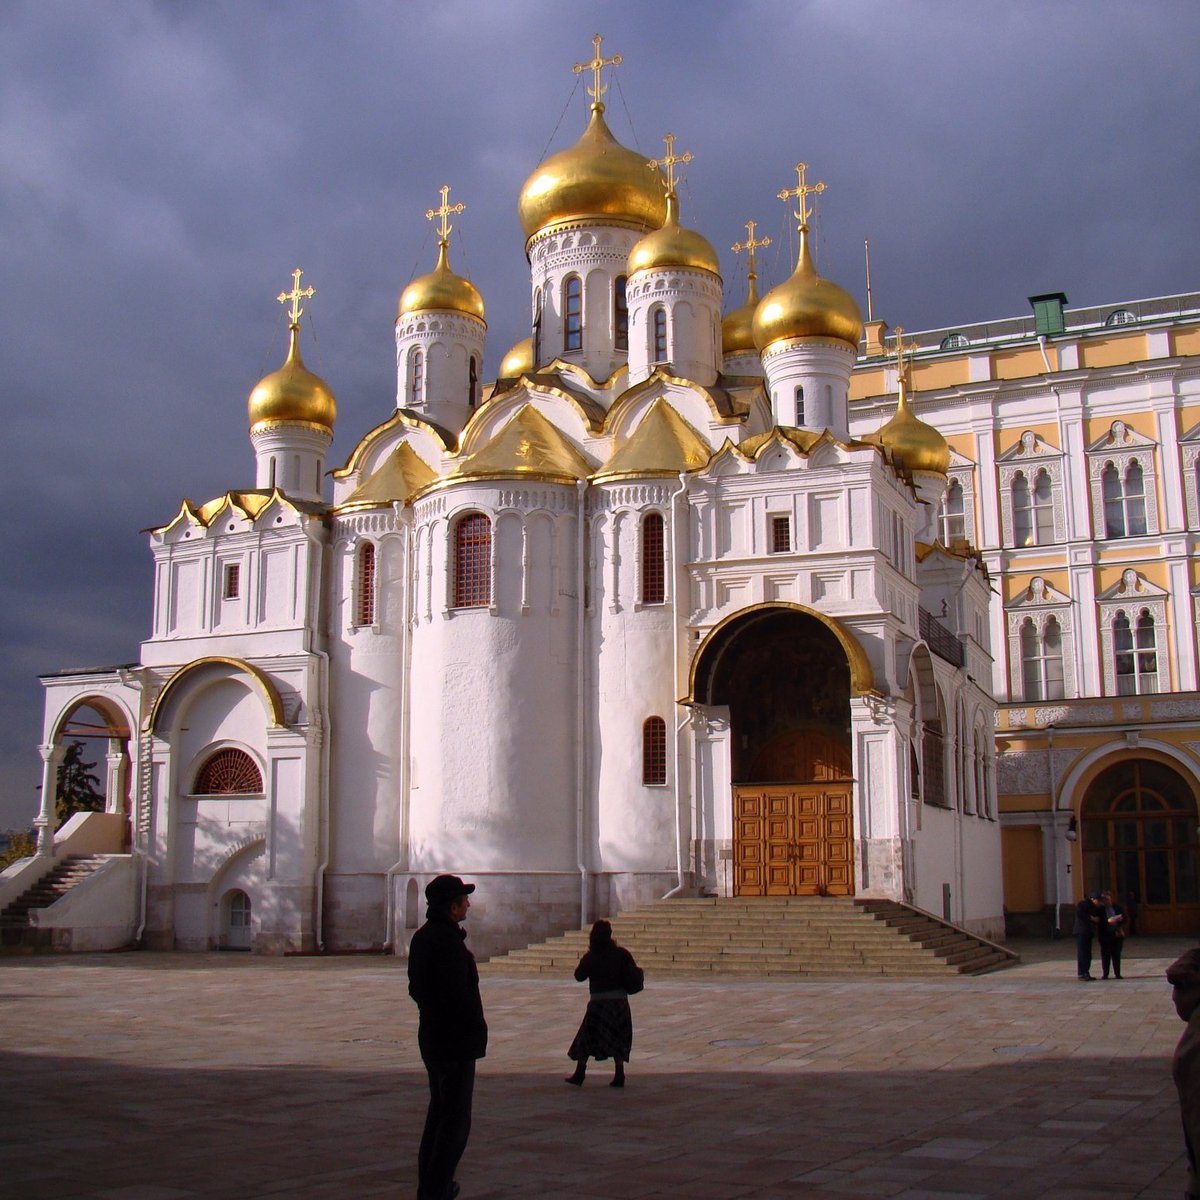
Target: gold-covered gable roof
(529, 445)
(404, 472)
(249, 504)
(662, 444)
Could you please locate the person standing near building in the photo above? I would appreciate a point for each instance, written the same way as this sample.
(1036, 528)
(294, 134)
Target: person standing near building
(1111, 935)
(1088, 913)
(444, 981)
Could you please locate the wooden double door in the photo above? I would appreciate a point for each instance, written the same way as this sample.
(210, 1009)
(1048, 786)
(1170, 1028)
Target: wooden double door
(793, 839)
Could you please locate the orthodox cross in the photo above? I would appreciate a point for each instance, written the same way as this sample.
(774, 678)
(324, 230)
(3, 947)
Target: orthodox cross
(750, 244)
(801, 192)
(443, 213)
(596, 66)
(901, 351)
(295, 296)
(669, 160)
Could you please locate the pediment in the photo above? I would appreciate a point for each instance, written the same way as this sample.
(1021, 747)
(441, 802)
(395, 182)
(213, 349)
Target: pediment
(1132, 586)
(1030, 446)
(529, 445)
(959, 462)
(1120, 437)
(402, 474)
(1038, 594)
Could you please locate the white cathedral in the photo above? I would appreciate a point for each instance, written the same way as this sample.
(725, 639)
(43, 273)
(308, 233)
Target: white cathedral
(640, 619)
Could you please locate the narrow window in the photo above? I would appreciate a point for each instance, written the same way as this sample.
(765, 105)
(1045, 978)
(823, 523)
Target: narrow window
(1043, 509)
(620, 315)
(654, 572)
(1136, 655)
(232, 585)
(1022, 507)
(364, 600)
(1114, 502)
(537, 328)
(239, 911)
(1125, 663)
(572, 313)
(228, 773)
(472, 382)
(472, 561)
(799, 406)
(1135, 501)
(1042, 661)
(954, 522)
(654, 751)
(417, 370)
(659, 327)
(781, 535)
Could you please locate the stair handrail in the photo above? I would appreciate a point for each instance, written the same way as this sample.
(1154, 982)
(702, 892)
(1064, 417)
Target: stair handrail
(923, 912)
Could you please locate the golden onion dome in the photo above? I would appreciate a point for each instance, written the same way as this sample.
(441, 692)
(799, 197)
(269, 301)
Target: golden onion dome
(441, 290)
(912, 443)
(597, 179)
(806, 306)
(518, 361)
(737, 329)
(292, 394)
(673, 247)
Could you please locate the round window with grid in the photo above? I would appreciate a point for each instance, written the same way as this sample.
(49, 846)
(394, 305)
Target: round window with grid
(228, 773)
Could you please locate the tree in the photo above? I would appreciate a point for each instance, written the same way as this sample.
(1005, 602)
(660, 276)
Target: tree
(21, 844)
(78, 785)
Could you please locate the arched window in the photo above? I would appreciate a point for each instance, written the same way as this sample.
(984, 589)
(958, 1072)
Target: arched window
(658, 327)
(1119, 316)
(472, 382)
(472, 561)
(654, 571)
(572, 313)
(1124, 501)
(1033, 511)
(654, 751)
(416, 373)
(1042, 661)
(1135, 653)
(799, 406)
(364, 595)
(955, 341)
(228, 772)
(954, 520)
(620, 315)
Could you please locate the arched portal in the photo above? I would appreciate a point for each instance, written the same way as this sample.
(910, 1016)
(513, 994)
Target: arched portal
(1139, 831)
(785, 677)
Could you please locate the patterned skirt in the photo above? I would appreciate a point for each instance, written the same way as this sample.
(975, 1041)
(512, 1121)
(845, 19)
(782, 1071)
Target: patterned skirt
(606, 1031)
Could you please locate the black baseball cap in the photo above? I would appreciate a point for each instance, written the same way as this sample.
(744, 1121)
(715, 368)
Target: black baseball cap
(446, 888)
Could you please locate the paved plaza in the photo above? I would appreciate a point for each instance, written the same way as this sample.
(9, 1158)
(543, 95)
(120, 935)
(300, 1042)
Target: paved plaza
(165, 1077)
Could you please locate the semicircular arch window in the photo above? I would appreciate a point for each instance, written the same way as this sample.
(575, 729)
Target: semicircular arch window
(229, 772)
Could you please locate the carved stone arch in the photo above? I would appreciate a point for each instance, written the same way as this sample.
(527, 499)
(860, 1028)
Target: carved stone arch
(231, 667)
(120, 719)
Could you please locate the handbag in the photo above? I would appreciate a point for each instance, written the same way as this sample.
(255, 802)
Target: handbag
(633, 978)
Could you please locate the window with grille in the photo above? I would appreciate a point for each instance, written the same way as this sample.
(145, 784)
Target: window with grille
(1124, 501)
(654, 571)
(1042, 661)
(658, 325)
(364, 599)
(572, 313)
(231, 587)
(933, 758)
(799, 406)
(229, 773)
(654, 751)
(620, 315)
(416, 367)
(953, 515)
(473, 561)
(781, 535)
(1135, 654)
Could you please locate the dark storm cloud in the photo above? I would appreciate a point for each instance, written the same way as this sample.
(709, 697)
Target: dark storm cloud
(163, 167)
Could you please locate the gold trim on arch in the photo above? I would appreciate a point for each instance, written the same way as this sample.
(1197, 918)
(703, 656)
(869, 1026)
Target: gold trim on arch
(269, 692)
(862, 675)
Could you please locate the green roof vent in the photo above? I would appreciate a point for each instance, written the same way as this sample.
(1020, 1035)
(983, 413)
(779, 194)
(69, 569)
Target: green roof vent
(1048, 313)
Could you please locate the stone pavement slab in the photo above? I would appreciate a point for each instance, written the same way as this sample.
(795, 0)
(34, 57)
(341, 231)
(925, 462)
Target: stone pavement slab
(167, 1077)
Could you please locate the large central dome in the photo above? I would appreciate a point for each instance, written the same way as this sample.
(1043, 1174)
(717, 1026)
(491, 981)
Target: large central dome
(597, 179)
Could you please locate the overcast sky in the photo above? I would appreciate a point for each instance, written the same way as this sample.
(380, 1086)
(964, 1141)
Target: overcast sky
(164, 167)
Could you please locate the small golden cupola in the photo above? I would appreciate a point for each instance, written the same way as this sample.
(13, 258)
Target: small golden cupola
(597, 179)
(673, 247)
(737, 329)
(912, 444)
(442, 290)
(293, 394)
(805, 305)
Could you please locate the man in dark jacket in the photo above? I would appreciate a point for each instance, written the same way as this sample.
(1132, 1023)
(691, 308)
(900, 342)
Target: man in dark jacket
(444, 981)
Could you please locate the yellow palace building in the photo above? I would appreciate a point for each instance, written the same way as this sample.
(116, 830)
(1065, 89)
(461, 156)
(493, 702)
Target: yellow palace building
(1075, 459)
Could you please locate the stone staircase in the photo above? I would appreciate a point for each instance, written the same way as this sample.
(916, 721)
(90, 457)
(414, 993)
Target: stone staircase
(775, 938)
(16, 932)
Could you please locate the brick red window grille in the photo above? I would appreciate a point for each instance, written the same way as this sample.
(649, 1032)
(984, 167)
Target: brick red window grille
(473, 561)
(654, 571)
(233, 579)
(781, 535)
(654, 750)
(572, 313)
(229, 773)
(364, 601)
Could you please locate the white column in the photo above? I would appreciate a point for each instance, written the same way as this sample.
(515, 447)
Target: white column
(44, 821)
(117, 762)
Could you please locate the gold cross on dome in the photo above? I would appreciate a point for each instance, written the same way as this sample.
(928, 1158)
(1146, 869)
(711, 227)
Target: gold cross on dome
(443, 213)
(750, 244)
(801, 192)
(596, 66)
(901, 350)
(295, 296)
(669, 160)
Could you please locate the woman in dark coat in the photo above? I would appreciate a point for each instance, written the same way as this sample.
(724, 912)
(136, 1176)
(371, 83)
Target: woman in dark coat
(1111, 934)
(607, 1028)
